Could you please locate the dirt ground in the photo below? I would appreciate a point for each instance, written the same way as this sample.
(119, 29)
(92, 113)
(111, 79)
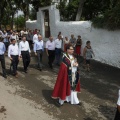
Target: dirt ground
(28, 97)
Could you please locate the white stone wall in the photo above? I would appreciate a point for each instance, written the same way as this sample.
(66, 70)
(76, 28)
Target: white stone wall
(106, 44)
(31, 24)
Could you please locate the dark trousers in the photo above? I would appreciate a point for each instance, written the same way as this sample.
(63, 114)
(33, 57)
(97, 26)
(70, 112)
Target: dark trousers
(14, 63)
(57, 55)
(26, 59)
(51, 57)
(2, 59)
(6, 45)
(39, 56)
(30, 43)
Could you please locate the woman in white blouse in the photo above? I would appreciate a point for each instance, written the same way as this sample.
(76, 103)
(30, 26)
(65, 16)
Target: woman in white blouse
(66, 42)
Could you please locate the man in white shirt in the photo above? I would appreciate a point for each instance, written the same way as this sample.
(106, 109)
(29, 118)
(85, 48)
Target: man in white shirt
(58, 46)
(35, 37)
(14, 36)
(50, 50)
(22, 32)
(6, 40)
(38, 49)
(13, 54)
(24, 52)
(2, 57)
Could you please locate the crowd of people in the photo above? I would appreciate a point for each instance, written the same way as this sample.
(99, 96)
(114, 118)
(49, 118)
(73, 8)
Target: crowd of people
(20, 44)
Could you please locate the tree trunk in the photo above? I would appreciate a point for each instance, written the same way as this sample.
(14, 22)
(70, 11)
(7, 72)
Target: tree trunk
(80, 8)
(26, 14)
(12, 21)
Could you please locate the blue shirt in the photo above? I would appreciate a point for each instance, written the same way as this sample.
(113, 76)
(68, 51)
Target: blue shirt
(5, 37)
(2, 48)
(38, 45)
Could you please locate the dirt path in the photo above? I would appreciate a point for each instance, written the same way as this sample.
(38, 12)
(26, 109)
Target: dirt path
(29, 96)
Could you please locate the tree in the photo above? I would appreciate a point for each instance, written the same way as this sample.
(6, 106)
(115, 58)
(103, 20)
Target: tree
(19, 22)
(80, 8)
(3, 4)
(33, 15)
(110, 19)
(40, 3)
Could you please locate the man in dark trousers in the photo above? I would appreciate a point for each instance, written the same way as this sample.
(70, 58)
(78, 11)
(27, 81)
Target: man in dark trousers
(50, 50)
(2, 58)
(38, 49)
(24, 52)
(13, 54)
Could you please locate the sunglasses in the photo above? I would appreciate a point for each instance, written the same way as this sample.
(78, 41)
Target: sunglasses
(71, 49)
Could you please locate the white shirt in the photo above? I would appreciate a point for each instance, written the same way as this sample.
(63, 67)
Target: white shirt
(21, 32)
(58, 43)
(25, 32)
(5, 37)
(50, 45)
(14, 37)
(13, 50)
(118, 102)
(35, 38)
(24, 46)
(66, 41)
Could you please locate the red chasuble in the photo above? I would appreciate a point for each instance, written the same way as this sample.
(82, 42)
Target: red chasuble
(64, 84)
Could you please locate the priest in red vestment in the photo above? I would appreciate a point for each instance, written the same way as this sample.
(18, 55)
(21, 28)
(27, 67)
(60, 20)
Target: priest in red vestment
(68, 80)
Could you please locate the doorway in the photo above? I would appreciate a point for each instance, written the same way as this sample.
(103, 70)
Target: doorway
(46, 24)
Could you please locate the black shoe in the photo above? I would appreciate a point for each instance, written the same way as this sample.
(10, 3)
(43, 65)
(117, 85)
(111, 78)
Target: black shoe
(5, 76)
(79, 104)
(40, 69)
(58, 104)
(66, 102)
(51, 66)
(25, 71)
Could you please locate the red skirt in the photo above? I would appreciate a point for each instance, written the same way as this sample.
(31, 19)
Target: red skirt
(78, 50)
(65, 45)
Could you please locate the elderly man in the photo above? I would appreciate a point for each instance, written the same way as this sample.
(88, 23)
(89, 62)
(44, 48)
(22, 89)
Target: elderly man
(2, 58)
(38, 49)
(58, 47)
(6, 40)
(24, 52)
(35, 36)
(50, 50)
(14, 36)
(13, 54)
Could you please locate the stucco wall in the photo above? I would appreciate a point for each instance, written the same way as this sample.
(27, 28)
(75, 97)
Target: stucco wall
(31, 24)
(106, 44)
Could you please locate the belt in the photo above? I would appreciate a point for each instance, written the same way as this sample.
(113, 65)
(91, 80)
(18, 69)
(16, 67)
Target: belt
(57, 48)
(39, 50)
(25, 51)
(14, 55)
